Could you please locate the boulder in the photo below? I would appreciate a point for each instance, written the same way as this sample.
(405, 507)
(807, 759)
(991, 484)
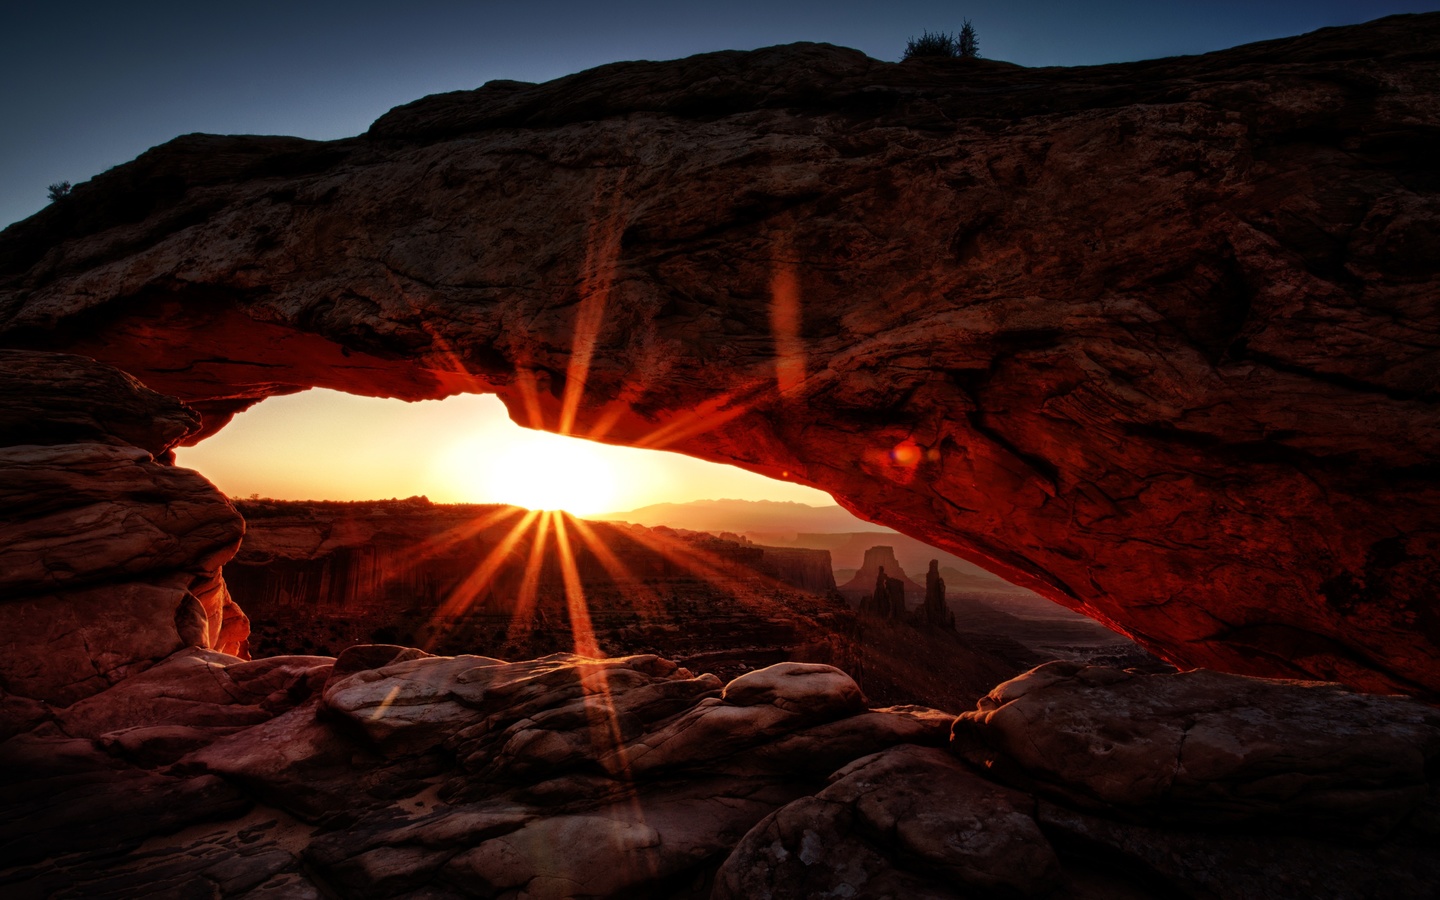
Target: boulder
(55, 398)
(61, 648)
(1209, 748)
(198, 688)
(77, 515)
(909, 821)
(806, 688)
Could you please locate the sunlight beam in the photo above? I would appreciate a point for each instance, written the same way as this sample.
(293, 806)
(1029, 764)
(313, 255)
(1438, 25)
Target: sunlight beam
(581, 627)
(526, 599)
(463, 596)
(618, 571)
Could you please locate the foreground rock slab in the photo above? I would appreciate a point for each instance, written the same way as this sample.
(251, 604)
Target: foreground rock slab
(907, 822)
(391, 773)
(1206, 747)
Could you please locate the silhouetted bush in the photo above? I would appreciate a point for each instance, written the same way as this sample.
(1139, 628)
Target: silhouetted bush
(59, 189)
(940, 44)
(967, 46)
(930, 45)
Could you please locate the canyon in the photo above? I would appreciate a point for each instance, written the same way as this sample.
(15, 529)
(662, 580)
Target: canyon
(1155, 340)
(317, 577)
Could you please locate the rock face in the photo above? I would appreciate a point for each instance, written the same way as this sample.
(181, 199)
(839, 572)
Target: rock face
(934, 612)
(805, 568)
(388, 772)
(888, 600)
(109, 556)
(1155, 339)
(879, 561)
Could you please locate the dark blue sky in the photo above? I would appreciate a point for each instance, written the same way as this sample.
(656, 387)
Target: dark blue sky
(86, 86)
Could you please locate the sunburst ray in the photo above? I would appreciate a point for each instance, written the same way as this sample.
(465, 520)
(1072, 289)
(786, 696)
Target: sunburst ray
(527, 598)
(463, 595)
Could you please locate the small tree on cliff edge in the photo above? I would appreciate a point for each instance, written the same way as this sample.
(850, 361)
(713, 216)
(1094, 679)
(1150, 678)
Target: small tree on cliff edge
(59, 189)
(967, 46)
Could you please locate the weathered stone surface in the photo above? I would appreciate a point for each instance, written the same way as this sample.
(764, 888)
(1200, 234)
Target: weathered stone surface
(825, 748)
(60, 795)
(907, 822)
(1155, 339)
(1231, 862)
(597, 756)
(50, 398)
(621, 849)
(199, 688)
(570, 776)
(82, 514)
(299, 762)
(108, 562)
(109, 556)
(63, 647)
(408, 705)
(634, 716)
(815, 690)
(364, 657)
(1205, 747)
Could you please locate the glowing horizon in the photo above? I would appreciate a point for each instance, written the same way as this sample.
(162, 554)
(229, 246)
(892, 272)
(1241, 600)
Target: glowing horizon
(327, 445)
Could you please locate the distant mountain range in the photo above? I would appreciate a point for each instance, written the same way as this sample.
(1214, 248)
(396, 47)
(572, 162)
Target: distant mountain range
(741, 516)
(789, 524)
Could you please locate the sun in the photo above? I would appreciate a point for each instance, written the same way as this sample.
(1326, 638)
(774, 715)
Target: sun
(538, 470)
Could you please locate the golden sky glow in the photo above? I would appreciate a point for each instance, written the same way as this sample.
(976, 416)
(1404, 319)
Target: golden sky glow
(325, 445)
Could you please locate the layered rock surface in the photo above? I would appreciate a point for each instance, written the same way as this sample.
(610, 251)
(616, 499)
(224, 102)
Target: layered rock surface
(1155, 339)
(109, 556)
(391, 773)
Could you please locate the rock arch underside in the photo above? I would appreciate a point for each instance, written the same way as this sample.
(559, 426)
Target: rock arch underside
(1157, 340)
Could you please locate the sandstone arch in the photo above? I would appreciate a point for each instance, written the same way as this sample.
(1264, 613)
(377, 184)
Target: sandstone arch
(1157, 340)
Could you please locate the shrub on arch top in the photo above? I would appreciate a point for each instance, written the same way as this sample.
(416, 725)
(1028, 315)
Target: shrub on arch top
(929, 45)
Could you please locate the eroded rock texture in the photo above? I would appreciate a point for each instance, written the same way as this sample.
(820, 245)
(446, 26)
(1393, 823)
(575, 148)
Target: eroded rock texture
(109, 556)
(1157, 339)
(1206, 748)
(388, 772)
